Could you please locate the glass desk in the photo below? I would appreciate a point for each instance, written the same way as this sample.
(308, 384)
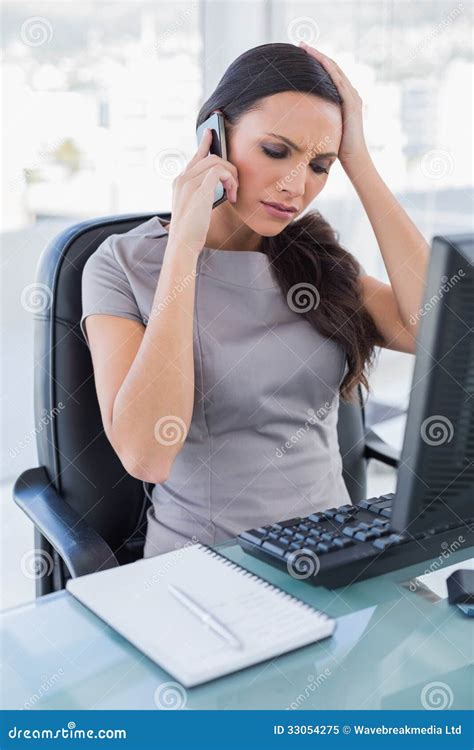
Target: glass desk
(389, 644)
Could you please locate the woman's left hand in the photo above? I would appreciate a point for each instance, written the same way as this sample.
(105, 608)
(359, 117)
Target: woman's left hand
(353, 147)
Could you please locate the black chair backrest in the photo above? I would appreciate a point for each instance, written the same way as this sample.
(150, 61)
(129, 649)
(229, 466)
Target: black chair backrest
(351, 436)
(73, 446)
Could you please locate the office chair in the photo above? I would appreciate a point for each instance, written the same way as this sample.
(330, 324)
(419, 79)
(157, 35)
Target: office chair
(88, 513)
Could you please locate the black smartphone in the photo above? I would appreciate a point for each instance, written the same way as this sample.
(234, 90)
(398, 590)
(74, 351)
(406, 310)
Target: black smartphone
(218, 146)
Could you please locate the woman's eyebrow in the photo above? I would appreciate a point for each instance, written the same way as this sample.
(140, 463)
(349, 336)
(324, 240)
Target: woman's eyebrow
(297, 148)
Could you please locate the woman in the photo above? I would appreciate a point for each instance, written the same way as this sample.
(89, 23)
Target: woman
(257, 321)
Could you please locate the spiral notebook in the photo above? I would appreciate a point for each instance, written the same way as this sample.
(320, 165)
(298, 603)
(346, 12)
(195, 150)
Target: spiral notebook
(137, 601)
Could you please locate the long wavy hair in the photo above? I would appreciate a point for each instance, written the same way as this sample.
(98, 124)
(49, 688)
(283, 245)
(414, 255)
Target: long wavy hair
(307, 251)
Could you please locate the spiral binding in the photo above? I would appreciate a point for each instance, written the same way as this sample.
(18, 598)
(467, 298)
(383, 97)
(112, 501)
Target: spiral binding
(262, 582)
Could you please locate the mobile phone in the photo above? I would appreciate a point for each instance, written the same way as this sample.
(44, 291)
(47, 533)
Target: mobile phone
(218, 146)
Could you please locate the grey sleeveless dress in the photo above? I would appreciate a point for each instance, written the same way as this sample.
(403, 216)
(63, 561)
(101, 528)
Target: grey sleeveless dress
(262, 444)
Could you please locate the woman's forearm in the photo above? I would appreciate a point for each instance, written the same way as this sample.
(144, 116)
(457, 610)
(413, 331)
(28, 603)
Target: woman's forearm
(153, 408)
(404, 249)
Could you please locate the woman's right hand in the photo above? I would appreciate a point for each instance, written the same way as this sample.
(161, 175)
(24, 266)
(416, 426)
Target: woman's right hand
(193, 195)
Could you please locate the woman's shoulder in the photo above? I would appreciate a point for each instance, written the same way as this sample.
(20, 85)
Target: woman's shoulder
(140, 250)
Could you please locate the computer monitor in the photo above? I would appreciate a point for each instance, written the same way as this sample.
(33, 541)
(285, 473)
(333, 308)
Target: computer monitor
(435, 485)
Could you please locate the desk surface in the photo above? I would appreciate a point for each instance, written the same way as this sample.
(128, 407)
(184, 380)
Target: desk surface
(388, 646)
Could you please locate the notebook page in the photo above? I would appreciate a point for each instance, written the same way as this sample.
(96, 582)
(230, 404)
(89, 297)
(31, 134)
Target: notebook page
(265, 619)
(135, 601)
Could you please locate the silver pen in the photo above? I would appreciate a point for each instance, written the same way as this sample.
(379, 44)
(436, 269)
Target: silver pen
(205, 616)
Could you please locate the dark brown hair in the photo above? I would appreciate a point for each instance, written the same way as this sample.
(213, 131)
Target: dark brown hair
(307, 252)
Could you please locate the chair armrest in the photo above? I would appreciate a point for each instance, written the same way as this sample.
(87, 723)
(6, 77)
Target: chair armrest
(377, 448)
(79, 545)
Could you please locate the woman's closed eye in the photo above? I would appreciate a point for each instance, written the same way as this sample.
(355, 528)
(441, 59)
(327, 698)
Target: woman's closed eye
(318, 168)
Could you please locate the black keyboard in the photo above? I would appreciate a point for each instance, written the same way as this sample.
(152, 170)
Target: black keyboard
(339, 546)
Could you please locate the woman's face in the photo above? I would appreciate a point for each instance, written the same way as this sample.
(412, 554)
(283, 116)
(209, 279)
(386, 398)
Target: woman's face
(272, 170)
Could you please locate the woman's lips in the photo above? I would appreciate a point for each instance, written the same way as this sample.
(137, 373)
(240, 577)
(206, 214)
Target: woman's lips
(277, 212)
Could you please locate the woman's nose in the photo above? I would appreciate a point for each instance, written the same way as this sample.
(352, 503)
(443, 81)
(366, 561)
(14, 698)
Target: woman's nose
(295, 181)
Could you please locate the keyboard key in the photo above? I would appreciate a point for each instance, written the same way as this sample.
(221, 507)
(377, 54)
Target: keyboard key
(365, 536)
(379, 531)
(382, 544)
(289, 522)
(380, 522)
(378, 507)
(254, 535)
(275, 548)
(390, 541)
(350, 530)
(274, 534)
(365, 504)
(340, 542)
(322, 547)
(387, 512)
(341, 517)
(284, 540)
(331, 512)
(316, 517)
(304, 563)
(327, 536)
(399, 538)
(303, 527)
